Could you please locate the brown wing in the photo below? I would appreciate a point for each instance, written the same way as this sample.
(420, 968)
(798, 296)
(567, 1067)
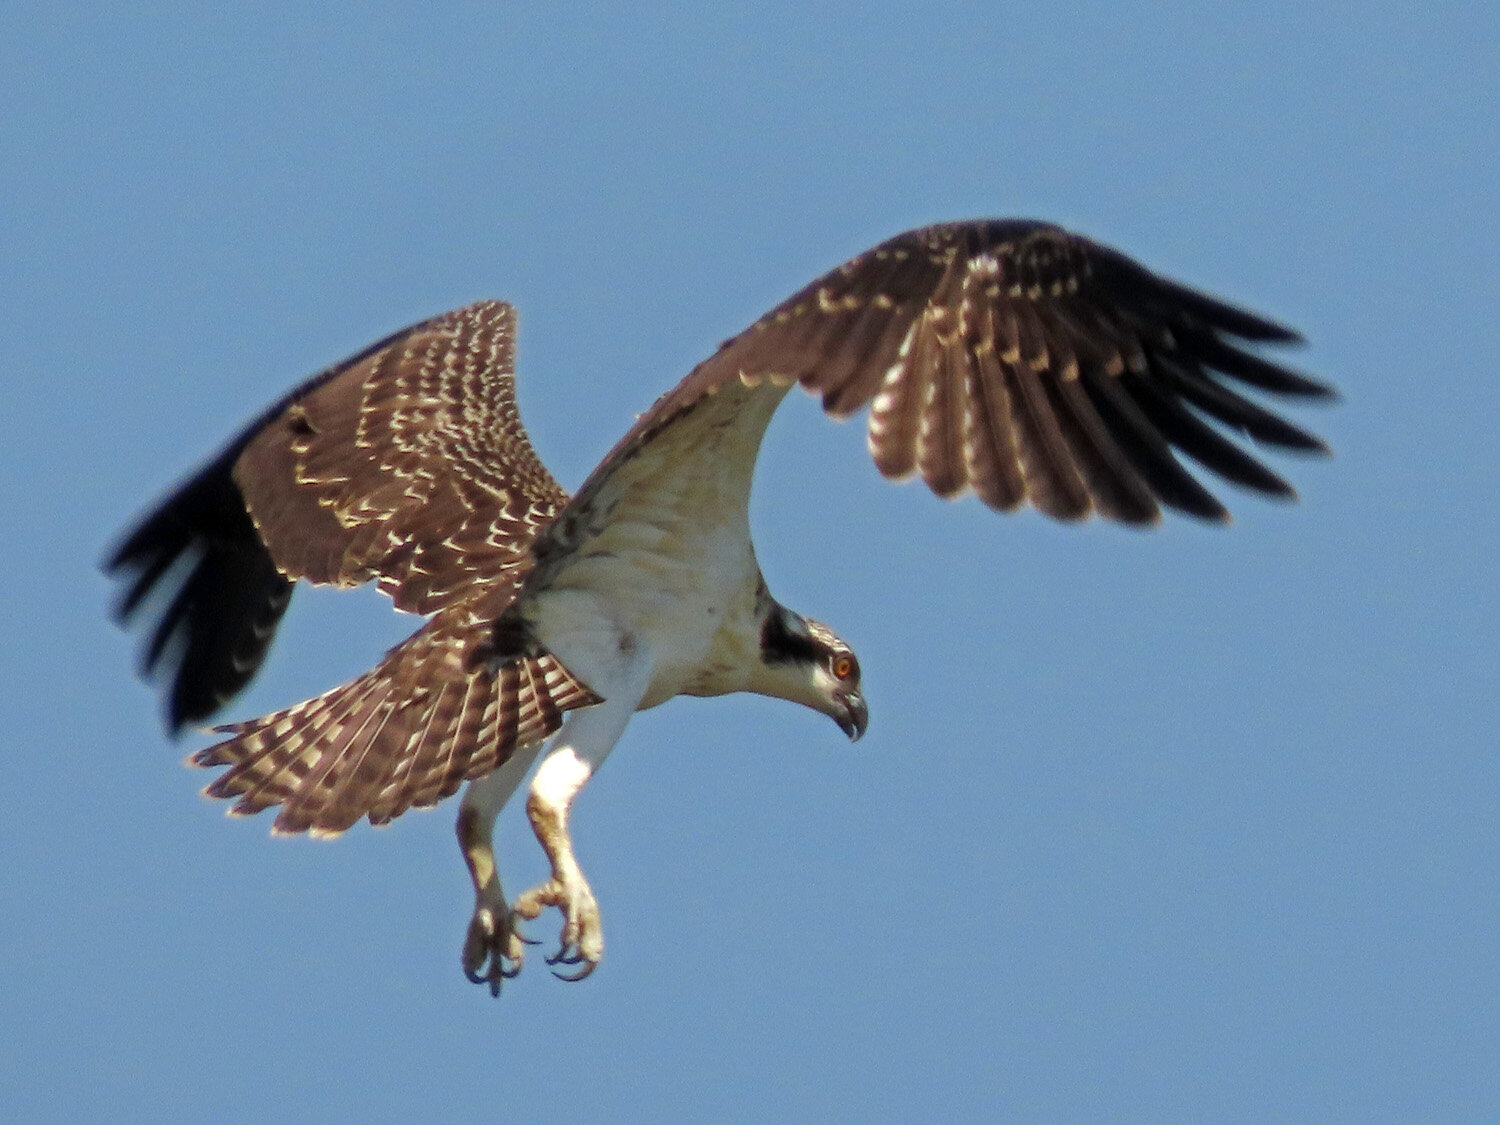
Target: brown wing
(406, 464)
(1023, 362)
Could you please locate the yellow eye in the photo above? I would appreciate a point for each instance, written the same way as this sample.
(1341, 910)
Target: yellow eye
(843, 667)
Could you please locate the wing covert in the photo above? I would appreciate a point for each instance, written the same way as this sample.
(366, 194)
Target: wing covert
(406, 464)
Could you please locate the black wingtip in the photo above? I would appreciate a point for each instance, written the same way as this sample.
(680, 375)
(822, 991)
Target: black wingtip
(1282, 334)
(1305, 387)
(1259, 329)
(195, 577)
(1214, 513)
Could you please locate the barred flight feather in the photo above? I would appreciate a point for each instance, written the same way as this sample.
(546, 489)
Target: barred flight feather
(992, 457)
(405, 734)
(1025, 402)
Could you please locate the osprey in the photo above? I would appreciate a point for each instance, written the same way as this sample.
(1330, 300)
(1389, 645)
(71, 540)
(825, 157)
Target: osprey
(1011, 358)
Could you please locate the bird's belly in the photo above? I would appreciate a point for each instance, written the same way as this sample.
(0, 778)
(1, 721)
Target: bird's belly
(695, 618)
(669, 559)
(692, 605)
(701, 645)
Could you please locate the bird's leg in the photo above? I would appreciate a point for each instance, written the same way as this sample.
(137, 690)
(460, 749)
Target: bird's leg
(493, 946)
(548, 805)
(585, 740)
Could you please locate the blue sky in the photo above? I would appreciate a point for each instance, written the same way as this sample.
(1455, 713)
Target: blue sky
(1199, 824)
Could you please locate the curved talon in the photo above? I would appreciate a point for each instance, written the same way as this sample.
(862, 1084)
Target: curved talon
(581, 943)
(574, 978)
(492, 948)
(498, 971)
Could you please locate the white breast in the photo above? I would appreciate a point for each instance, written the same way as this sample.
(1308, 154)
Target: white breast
(671, 568)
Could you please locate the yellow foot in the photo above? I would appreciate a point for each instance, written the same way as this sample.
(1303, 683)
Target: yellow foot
(582, 941)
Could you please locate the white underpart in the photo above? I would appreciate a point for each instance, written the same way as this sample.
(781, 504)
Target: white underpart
(671, 567)
(588, 735)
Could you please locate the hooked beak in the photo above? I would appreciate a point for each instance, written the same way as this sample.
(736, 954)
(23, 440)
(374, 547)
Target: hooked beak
(855, 716)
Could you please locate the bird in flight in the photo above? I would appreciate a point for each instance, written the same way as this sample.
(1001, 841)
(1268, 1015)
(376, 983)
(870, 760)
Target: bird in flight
(1009, 358)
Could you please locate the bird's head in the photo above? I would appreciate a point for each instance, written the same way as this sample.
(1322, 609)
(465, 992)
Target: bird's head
(806, 662)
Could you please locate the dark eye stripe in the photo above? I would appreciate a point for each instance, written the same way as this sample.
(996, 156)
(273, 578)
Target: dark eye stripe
(779, 645)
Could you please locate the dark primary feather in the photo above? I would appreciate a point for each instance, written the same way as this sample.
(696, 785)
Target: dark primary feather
(198, 561)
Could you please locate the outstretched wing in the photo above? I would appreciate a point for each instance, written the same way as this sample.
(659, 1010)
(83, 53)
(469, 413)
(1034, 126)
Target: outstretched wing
(1018, 360)
(406, 464)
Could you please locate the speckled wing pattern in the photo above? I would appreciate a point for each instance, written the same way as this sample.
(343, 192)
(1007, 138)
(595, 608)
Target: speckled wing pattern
(1022, 362)
(406, 465)
(411, 468)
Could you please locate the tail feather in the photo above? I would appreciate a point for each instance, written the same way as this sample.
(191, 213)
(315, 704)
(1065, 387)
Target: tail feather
(405, 734)
(429, 731)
